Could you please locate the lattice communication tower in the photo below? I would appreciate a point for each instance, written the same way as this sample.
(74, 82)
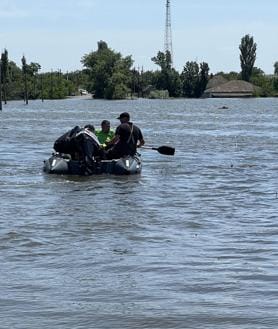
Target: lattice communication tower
(168, 46)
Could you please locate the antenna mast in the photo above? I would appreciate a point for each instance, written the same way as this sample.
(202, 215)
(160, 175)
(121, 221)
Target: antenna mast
(168, 31)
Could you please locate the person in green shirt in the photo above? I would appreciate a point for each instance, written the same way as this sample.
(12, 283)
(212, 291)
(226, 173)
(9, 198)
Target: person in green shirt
(105, 134)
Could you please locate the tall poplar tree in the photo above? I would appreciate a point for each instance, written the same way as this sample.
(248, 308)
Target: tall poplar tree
(247, 56)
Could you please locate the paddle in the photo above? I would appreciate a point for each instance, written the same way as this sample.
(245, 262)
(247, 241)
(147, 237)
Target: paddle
(166, 150)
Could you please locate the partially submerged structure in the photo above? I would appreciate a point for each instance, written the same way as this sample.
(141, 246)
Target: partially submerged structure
(221, 88)
(215, 81)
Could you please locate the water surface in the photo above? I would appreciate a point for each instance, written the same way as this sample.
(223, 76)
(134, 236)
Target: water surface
(189, 243)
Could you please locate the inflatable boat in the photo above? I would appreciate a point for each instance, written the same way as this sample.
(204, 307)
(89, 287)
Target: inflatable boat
(62, 164)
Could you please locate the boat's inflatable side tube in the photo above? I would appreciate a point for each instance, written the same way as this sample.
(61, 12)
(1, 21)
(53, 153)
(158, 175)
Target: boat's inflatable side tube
(62, 165)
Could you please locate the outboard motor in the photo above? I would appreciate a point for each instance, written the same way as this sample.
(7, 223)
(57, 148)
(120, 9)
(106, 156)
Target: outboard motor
(66, 144)
(82, 145)
(88, 148)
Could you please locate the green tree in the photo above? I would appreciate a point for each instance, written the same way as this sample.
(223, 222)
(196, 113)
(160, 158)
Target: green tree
(203, 78)
(0, 87)
(276, 68)
(247, 56)
(76, 80)
(26, 82)
(25, 71)
(194, 79)
(55, 85)
(32, 70)
(190, 79)
(147, 82)
(232, 75)
(163, 60)
(120, 80)
(14, 83)
(135, 82)
(109, 72)
(257, 71)
(4, 70)
(275, 85)
(167, 78)
(265, 82)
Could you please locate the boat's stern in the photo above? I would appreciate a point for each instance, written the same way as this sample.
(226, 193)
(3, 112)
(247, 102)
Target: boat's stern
(128, 166)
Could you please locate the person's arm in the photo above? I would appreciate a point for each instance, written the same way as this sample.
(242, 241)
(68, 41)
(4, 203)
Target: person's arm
(141, 142)
(141, 139)
(114, 140)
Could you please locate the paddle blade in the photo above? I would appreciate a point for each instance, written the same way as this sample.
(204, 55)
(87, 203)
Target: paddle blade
(166, 150)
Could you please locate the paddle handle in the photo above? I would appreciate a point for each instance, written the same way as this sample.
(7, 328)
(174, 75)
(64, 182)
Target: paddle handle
(148, 147)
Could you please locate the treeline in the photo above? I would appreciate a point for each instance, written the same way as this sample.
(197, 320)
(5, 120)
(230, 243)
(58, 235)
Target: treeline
(113, 76)
(109, 75)
(26, 82)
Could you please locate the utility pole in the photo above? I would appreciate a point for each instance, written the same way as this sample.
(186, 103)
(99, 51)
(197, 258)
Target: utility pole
(168, 31)
(0, 85)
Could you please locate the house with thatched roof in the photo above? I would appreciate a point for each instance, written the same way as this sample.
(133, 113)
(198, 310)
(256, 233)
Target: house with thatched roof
(233, 88)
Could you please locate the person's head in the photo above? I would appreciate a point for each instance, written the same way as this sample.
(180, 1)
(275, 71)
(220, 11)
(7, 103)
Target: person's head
(124, 117)
(105, 126)
(124, 131)
(90, 127)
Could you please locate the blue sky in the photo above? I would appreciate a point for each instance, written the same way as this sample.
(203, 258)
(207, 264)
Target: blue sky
(58, 33)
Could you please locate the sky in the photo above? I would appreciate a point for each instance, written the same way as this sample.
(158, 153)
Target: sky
(58, 33)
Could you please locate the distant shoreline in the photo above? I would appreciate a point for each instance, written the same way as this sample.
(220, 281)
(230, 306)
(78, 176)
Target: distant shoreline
(88, 96)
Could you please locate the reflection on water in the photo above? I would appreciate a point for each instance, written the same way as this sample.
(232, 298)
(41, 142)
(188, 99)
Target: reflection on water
(190, 243)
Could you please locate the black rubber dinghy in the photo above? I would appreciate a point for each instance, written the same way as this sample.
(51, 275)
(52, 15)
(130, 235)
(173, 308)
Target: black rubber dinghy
(62, 164)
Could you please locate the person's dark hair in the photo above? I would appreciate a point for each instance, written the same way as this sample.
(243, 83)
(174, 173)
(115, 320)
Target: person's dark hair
(105, 122)
(124, 131)
(124, 115)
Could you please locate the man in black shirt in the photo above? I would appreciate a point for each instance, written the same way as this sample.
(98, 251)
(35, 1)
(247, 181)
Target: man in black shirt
(127, 138)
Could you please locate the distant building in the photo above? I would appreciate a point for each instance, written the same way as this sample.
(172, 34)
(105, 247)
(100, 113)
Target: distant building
(235, 88)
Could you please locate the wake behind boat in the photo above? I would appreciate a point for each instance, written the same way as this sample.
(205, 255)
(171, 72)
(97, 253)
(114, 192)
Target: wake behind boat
(62, 164)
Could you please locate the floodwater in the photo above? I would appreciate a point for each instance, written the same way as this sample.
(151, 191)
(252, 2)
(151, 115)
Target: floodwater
(192, 242)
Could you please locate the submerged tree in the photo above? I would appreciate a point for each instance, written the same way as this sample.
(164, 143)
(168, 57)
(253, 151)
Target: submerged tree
(247, 56)
(276, 68)
(4, 70)
(167, 78)
(190, 79)
(194, 79)
(24, 71)
(203, 78)
(0, 86)
(110, 73)
(163, 60)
